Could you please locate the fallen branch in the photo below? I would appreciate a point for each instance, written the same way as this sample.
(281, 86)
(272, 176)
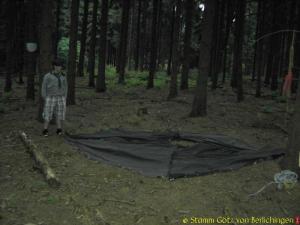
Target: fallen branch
(40, 160)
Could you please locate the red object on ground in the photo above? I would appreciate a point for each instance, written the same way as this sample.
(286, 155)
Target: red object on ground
(297, 220)
(286, 90)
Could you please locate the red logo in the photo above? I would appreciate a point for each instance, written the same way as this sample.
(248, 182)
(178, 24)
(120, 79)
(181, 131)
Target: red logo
(297, 220)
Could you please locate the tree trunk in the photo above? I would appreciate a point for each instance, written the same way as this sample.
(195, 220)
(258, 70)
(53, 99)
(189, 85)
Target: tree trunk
(57, 35)
(19, 52)
(189, 12)
(45, 46)
(199, 107)
(159, 34)
(138, 33)
(92, 50)
(153, 57)
(131, 36)
(176, 51)
(259, 68)
(238, 49)
(41, 161)
(80, 71)
(226, 38)
(72, 52)
(100, 85)
(143, 35)
(123, 41)
(171, 43)
(215, 49)
(31, 20)
(10, 44)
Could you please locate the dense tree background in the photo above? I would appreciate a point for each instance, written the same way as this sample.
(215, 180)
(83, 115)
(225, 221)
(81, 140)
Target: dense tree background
(228, 42)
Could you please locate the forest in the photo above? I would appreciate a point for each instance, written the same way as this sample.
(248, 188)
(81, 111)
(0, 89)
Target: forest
(192, 105)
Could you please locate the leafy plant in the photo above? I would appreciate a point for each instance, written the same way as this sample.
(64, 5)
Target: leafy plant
(63, 48)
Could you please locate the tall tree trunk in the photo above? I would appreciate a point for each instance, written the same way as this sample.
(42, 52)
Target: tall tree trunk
(143, 35)
(72, 52)
(100, 85)
(45, 46)
(159, 34)
(123, 41)
(153, 57)
(199, 107)
(238, 49)
(176, 51)
(215, 49)
(57, 34)
(229, 9)
(189, 11)
(256, 49)
(10, 45)
(80, 71)
(20, 24)
(92, 50)
(259, 68)
(30, 56)
(220, 45)
(138, 33)
(276, 46)
(171, 42)
(131, 37)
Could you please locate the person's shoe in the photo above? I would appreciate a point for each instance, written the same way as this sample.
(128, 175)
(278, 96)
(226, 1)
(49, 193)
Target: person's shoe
(45, 132)
(59, 131)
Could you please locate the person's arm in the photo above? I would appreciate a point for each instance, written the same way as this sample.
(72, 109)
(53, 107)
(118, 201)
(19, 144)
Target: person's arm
(44, 87)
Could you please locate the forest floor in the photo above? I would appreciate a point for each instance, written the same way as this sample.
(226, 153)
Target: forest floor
(93, 193)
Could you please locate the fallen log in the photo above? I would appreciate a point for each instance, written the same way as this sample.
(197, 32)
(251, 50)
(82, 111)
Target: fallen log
(42, 163)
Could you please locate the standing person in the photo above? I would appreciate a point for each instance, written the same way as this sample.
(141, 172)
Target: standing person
(54, 93)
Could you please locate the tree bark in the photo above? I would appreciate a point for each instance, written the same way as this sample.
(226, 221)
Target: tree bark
(45, 46)
(123, 41)
(259, 68)
(92, 50)
(153, 57)
(199, 107)
(138, 33)
(189, 12)
(80, 71)
(31, 20)
(143, 36)
(171, 43)
(227, 32)
(100, 85)
(10, 44)
(175, 51)
(238, 49)
(71, 75)
(57, 34)
(41, 161)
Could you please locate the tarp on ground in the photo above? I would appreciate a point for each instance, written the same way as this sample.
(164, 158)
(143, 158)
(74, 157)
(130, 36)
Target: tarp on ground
(160, 155)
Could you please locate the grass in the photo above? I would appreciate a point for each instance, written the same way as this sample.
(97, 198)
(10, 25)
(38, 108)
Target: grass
(140, 78)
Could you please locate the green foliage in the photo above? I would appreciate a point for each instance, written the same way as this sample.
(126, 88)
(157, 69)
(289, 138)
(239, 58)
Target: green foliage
(63, 48)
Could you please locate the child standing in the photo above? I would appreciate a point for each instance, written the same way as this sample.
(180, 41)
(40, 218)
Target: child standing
(54, 93)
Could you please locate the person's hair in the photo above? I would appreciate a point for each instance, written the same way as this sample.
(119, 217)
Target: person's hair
(58, 62)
